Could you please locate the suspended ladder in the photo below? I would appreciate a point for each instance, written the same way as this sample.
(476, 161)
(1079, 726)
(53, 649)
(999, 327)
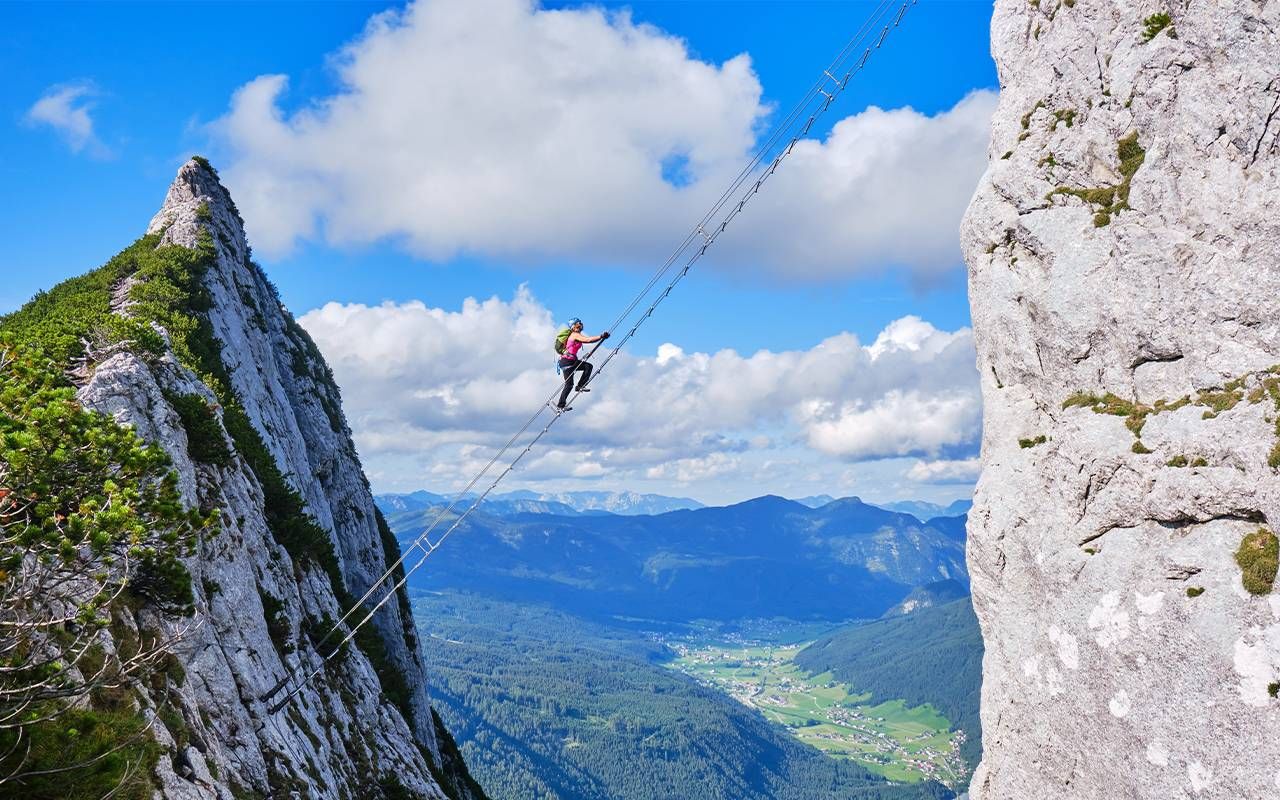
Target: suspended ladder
(782, 140)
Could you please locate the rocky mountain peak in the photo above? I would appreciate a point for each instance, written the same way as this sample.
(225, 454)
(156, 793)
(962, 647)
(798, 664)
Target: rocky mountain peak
(242, 401)
(197, 200)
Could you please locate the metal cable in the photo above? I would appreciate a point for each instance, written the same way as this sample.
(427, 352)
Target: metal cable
(778, 133)
(828, 80)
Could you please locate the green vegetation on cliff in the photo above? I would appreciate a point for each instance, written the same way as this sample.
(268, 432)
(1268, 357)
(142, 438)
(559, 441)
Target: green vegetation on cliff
(1110, 200)
(1258, 558)
(163, 287)
(92, 527)
(69, 329)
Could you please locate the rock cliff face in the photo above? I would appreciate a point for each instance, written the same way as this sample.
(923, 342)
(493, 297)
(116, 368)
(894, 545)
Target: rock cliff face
(1124, 257)
(264, 591)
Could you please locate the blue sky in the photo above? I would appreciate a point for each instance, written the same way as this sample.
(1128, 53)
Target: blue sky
(157, 82)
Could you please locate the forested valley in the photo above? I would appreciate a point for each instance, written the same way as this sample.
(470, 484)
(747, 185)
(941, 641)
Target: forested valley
(558, 646)
(545, 705)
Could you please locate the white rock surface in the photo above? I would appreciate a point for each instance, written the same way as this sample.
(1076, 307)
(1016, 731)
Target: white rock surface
(339, 737)
(1080, 549)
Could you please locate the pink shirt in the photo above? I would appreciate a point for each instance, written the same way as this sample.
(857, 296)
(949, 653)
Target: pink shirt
(571, 348)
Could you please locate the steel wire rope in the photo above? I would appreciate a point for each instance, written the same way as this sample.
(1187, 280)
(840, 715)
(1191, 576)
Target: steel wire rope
(777, 135)
(709, 239)
(838, 87)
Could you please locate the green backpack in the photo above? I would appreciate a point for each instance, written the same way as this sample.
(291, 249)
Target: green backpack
(561, 339)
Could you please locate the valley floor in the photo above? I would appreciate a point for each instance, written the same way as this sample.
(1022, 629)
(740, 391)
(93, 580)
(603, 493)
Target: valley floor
(900, 743)
(548, 706)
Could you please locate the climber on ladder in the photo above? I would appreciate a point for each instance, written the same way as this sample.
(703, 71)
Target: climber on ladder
(568, 342)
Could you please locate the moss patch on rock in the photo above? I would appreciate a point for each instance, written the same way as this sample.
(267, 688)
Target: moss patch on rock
(1152, 25)
(1135, 413)
(1258, 557)
(1066, 115)
(1251, 387)
(1110, 200)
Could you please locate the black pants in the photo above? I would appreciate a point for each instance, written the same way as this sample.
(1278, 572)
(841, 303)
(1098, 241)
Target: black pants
(568, 366)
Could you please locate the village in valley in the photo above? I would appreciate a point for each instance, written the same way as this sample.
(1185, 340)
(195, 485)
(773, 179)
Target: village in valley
(902, 744)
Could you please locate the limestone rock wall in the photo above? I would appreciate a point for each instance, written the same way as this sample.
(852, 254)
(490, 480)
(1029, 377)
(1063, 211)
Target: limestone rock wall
(1125, 241)
(340, 738)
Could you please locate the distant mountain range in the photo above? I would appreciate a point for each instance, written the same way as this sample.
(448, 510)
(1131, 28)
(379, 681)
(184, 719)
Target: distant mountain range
(815, 501)
(927, 511)
(564, 503)
(625, 503)
(421, 501)
(632, 503)
(765, 557)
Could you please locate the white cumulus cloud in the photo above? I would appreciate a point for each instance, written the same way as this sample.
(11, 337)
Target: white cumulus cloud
(692, 470)
(886, 188)
(500, 128)
(895, 424)
(65, 109)
(965, 470)
(490, 125)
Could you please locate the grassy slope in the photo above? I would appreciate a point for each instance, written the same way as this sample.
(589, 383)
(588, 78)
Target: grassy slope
(931, 656)
(827, 714)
